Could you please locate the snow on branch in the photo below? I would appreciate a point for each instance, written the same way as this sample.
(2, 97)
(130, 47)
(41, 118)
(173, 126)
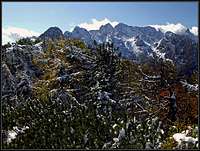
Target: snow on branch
(190, 87)
(147, 77)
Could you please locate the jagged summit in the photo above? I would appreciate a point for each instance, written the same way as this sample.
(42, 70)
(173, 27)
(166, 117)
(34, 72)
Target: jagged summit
(106, 28)
(121, 25)
(79, 28)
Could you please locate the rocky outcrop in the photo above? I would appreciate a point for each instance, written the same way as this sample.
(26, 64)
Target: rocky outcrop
(18, 71)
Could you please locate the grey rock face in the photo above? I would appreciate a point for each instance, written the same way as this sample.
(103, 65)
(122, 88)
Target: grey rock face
(81, 33)
(8, 81)
(106, 29)
(67, 34)
(181, 49)
(52, 33)
(18, 71)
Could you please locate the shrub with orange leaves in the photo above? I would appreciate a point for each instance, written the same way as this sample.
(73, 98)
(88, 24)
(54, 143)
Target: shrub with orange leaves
(187, 105)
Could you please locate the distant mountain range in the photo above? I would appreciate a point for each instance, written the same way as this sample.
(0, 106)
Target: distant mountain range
(139, 43)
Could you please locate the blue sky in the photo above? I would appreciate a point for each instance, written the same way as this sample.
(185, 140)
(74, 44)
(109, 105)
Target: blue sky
(22, 19)
(38, 16)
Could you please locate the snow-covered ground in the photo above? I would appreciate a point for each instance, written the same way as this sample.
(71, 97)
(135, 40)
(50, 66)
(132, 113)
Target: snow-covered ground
(190, 87)
(183, 137)
(12, 134)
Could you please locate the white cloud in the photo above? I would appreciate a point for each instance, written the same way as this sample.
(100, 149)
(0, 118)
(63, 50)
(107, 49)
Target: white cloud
(194, 30)
(96, 24)
(175, 28)
(11, 34)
